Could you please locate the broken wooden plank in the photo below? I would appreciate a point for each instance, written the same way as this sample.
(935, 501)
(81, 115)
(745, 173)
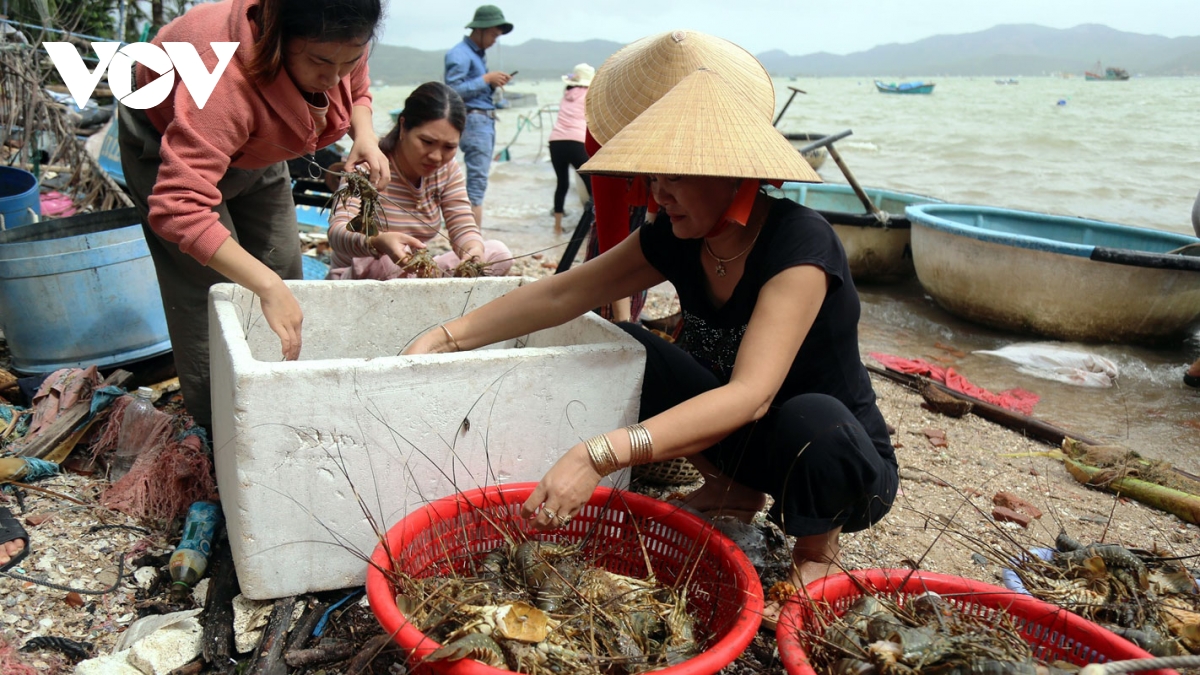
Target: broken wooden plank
(320, 655)
(164, 387)
(374, 647)
(268, 658)
(305, 626)
(193, 668)
(217, 639)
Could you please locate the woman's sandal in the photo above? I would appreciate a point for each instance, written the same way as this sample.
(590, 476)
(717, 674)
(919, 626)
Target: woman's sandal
(11, 530)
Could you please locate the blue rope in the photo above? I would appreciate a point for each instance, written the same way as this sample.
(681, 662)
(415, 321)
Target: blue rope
(325, 617)
(7, 412)
(101, 399)
(37, 469)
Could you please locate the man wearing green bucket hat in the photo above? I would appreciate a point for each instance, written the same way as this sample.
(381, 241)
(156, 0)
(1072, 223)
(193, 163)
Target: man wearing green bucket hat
(467, 73)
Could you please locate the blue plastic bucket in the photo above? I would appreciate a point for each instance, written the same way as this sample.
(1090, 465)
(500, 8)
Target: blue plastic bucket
(80, 291)
(20, 203)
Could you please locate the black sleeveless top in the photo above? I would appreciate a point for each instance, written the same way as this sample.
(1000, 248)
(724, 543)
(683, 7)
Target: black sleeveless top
(828, 361)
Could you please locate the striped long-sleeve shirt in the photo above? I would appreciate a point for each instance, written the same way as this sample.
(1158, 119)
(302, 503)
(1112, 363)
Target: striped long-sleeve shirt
(416, 211)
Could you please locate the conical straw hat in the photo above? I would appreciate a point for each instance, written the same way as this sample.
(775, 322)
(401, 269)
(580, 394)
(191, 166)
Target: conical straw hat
(639, 74)
(702, 127)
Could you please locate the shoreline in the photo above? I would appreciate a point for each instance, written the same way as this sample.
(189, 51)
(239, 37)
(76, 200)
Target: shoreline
(1147, 410)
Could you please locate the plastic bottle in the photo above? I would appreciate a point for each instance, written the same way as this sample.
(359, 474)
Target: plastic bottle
(136, 428)
(190, 559)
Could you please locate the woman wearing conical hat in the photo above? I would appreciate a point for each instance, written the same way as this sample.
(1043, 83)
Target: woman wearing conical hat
(764, 391)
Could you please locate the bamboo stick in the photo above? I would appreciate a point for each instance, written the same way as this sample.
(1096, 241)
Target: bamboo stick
(1181, 504)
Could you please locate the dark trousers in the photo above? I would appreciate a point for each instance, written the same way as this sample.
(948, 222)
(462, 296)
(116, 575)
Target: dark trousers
(259, 212)
(809, 452)
(565, 154)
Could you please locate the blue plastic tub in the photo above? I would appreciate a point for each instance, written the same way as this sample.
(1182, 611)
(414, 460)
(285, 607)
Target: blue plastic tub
(80, 291)
(20, 203)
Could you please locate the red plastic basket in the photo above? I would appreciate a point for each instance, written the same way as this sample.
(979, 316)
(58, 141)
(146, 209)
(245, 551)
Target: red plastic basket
(724, 593)
(1053, 632)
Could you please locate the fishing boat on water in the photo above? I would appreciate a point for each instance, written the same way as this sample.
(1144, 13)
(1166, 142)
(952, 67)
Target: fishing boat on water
(1107, 75)
(1007, 80)
(877, 249)
(1067, 278)
(904, 87)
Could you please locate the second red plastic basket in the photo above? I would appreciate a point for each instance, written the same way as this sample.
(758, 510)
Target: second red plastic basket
(1053, 632)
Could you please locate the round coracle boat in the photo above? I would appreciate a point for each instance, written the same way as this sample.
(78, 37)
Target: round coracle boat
(1067, 278)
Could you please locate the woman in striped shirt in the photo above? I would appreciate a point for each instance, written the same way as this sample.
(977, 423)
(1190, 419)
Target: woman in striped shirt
(427, 188)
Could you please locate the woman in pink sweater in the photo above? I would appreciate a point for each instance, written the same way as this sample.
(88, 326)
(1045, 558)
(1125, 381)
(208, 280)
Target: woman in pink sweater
(211, 182)
(566, 138)
(427, 188)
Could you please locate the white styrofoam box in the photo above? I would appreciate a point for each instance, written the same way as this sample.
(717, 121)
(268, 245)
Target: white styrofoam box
(297, 444)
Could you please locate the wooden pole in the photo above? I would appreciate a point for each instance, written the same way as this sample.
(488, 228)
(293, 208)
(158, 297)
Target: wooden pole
(824, 142)
(785, 105)
(862, 195)
(1026, 425)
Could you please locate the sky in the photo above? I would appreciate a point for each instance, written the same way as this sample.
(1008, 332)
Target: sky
(795, 26)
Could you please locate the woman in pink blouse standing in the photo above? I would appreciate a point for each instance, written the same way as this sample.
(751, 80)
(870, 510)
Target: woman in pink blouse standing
(426, 188)
(566, 138)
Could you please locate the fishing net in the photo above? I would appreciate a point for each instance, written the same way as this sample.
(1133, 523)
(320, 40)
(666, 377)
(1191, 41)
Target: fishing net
(11, 663)
(172, 471)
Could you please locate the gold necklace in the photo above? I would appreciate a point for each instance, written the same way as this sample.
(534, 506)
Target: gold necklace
(720, 268)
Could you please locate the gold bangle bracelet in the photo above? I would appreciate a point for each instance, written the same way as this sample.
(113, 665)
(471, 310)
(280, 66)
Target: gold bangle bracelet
(450, 337)
(610, 457)
(602, 455)
(596, 455)
(641, 446)
(648, 444)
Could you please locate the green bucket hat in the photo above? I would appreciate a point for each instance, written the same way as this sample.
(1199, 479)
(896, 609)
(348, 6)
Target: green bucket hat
(490, 16)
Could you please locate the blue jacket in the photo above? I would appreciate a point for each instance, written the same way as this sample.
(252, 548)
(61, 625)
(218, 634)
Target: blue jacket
(466, 65)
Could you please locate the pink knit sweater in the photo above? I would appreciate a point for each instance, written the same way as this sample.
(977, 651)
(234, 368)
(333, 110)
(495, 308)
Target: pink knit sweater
(243, 125)
(570, 124)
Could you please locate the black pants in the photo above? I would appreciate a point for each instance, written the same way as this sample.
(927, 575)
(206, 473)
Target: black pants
(564, 154)
(809, 452)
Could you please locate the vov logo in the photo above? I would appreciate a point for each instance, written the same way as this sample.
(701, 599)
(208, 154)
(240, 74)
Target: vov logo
(118, 61)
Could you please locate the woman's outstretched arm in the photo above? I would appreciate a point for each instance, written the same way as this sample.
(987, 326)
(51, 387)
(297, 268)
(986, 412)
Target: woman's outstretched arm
(547, 302)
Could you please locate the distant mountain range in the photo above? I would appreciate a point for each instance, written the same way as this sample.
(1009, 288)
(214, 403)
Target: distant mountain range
(1005, 50)
(1023, 49)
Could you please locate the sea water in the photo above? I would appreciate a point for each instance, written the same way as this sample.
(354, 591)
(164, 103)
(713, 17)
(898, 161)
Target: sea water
(1125, 152)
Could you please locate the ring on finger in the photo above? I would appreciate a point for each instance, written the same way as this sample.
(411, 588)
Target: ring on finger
(550, 514)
